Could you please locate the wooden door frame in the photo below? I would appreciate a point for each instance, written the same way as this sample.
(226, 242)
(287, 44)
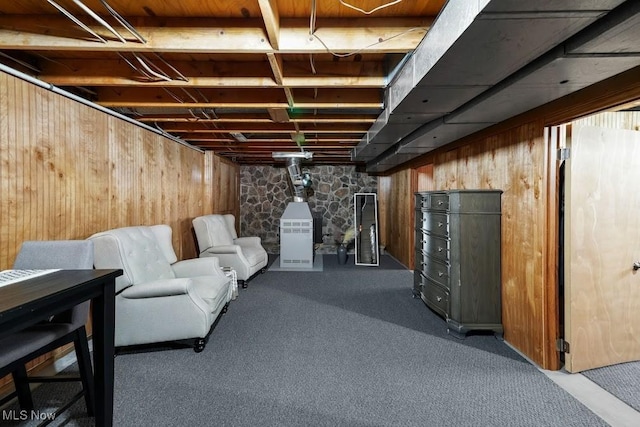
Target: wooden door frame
(553, 137)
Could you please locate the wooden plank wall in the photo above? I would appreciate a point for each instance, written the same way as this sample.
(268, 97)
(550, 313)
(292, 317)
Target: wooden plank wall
(68, 171)
(425, 178)
(222, 186)
(514, 161)
(514, 156)
(395, 211)
(227, 181)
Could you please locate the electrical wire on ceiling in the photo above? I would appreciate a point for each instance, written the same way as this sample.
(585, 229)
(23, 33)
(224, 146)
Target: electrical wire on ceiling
(98, 19)
(149, 70)
(313, 70)
(160, 75)
(355, 52)
(312, 29)
(180, 75)
(313, 67)
(186, 92)
(195, 116)
(123, 22)
(75, 20)
(173, 95)
(62, 64)
(312, 19)
(23, 63)
(344, 3)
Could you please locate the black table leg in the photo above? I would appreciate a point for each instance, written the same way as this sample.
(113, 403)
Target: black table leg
(103, 352)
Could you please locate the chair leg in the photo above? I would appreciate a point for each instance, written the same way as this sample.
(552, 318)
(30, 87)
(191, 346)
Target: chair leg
(84, 364)
(199, 344)
(23, 391)
(243, 284)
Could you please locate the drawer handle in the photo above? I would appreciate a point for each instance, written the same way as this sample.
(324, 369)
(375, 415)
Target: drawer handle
(440, 224)
(636, 266)
(439, 299)
(440, 274)
(440, 202)
(439, 249)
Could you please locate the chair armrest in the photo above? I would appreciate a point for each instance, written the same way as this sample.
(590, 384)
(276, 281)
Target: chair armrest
(209, 266)
(224, 249)
(157, 288)
(248, 241)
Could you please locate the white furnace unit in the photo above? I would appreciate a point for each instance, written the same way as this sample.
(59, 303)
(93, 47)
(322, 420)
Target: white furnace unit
(296, 236)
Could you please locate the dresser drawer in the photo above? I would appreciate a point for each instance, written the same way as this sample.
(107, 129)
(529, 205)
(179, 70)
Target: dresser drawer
(437, 271)
(439, 201)
(436, 297)
(436, 223)
(437, 247)
(433, 201)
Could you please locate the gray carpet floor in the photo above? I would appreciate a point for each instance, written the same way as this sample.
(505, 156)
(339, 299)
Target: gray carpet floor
(623, 381)
(346, 347)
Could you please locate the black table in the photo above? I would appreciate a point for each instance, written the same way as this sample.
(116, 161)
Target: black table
(30, 301)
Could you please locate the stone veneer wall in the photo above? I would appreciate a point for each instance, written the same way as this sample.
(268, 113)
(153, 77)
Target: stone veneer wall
(265, 192)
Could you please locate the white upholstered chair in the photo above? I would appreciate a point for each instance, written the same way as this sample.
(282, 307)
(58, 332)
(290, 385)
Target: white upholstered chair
(217, 237)
(157, 298)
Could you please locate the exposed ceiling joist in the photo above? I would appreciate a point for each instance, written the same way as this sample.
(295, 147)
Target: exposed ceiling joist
(116, 72)
(239, 98)
(272, 71)
(218, 35)
(271, 18)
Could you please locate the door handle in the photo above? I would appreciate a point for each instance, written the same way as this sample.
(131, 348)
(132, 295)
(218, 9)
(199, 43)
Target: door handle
(636, 266)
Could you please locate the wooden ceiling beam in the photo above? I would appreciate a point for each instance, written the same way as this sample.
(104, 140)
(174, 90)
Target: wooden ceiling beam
(196, 133)
(114, 72)
(350, 142)
(275, 147)
(276, 66)
(238, 98)
(271, 18)
(200, 35)
(332, 118)
(250, 126)
(278, 115)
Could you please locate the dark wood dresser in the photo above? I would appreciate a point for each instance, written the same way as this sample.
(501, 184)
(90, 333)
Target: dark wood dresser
(457, 264)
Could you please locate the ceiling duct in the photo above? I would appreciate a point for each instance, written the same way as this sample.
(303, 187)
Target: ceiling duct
(300, 181)
(485, 61)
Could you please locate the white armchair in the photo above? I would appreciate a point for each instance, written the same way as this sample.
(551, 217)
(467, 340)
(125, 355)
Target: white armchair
(217, 237)
(157, 298)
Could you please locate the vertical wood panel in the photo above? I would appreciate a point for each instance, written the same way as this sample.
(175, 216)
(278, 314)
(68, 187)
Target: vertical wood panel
(208, 191)
(384, 210)
(68, 171)
(226, 179)
(425, 178)
(516, 162)
(395, 203)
